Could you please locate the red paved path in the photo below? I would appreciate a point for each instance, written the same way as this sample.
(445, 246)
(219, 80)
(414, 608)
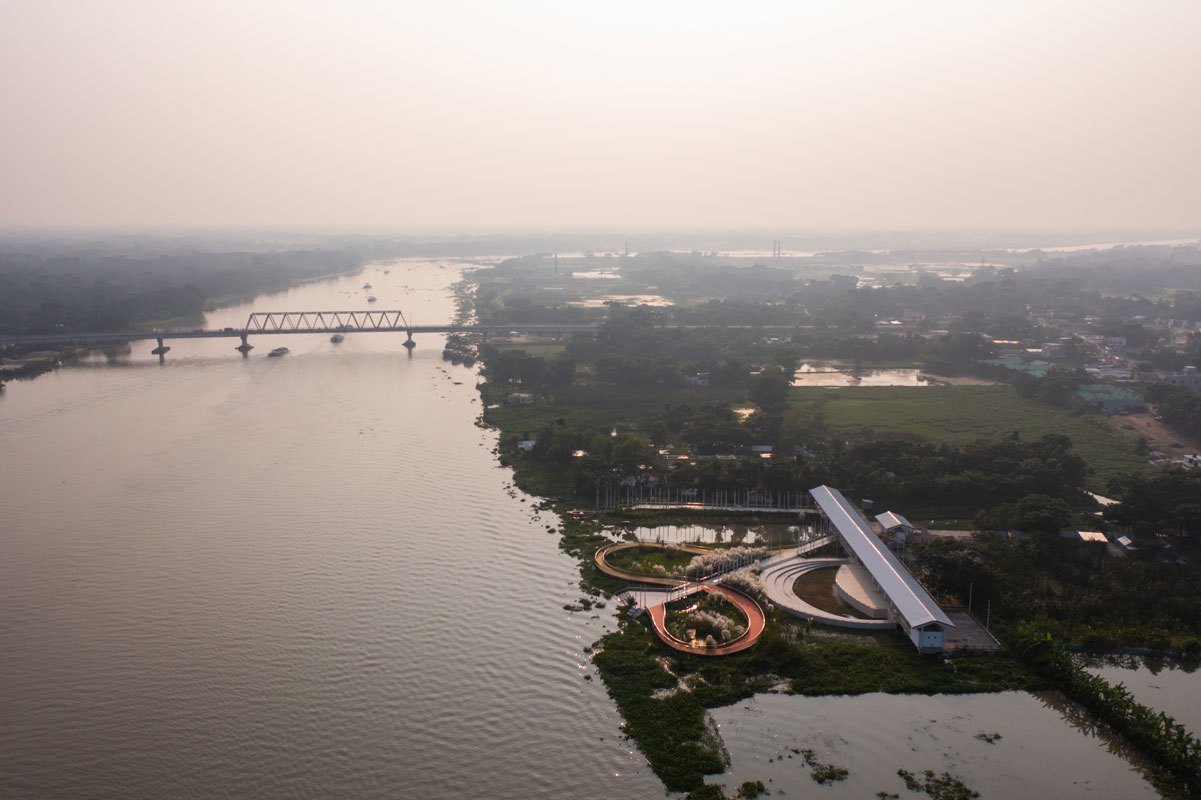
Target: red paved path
(756, 622)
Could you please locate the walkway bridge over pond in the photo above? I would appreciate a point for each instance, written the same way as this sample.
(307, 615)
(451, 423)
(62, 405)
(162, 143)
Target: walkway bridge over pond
(298, 322)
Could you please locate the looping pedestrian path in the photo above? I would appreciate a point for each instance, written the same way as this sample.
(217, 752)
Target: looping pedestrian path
(755, 618)
(779, 578)
(602, 562)
(756, 621)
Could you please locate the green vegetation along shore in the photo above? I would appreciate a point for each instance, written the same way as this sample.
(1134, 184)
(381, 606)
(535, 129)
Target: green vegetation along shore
(642, 407)
(663, 694)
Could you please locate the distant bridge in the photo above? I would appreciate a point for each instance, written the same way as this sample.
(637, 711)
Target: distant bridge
(290, 322)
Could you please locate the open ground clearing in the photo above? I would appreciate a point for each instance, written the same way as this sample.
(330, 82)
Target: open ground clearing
(960, 415)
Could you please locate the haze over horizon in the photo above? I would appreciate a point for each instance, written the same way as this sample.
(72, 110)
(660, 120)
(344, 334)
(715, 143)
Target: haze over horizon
(534, 115)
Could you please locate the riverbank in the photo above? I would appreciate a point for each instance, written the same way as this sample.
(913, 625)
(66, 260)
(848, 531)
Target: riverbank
(664, 695)
(574, 430)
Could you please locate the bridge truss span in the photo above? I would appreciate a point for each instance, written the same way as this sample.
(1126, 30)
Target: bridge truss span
(326, 321)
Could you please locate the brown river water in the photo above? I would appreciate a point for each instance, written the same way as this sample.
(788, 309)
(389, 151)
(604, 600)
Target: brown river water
(307, 576)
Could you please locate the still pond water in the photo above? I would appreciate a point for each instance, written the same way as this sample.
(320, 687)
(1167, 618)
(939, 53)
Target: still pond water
(308, 577)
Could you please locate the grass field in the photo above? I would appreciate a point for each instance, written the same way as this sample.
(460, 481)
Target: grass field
(960, 415)
(817, 589)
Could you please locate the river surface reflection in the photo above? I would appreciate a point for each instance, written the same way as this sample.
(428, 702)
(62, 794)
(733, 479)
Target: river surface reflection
(287, 577)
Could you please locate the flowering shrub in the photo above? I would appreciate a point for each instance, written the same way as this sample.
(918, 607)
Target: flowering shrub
(723, 560)
(746, 580)
(706, 622)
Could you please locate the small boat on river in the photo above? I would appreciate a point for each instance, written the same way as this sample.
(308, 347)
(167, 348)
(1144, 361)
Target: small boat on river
(277, 352)
(337, 338)
(371, 299)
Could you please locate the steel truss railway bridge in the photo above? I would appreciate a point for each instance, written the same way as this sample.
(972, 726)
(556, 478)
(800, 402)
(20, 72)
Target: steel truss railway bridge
(298, 322)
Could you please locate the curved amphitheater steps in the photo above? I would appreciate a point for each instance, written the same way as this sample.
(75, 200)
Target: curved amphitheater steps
(778, 579)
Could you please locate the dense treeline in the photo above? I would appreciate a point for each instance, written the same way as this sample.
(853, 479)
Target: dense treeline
(100, 281)
(1076, 591)
(1058, 387)
(43, 292)
(898, 473)
(666, 355)
(1179, 407)
(1165, 503)
(990, 300)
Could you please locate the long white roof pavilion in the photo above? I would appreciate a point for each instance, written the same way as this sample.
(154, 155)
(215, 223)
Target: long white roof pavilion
(912, 602)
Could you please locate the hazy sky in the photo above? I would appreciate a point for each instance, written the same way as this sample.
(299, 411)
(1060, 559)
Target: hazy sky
(600, 114)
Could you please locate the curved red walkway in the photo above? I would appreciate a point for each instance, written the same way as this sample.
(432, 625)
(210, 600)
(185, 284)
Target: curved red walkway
(756, 622)
(601, 559)
(756, 619)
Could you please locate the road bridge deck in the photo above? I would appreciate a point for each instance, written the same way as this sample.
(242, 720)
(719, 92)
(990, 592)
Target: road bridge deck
(297, 322)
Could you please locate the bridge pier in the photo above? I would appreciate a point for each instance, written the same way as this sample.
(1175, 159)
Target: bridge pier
(245, 347)
(409, 343)
(161, 350)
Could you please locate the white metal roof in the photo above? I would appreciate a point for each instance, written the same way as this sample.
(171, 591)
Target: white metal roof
(912, 601)
(891, 519)
(1092, 536)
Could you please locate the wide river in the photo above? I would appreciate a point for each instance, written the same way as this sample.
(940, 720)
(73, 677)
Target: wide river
(308, 577)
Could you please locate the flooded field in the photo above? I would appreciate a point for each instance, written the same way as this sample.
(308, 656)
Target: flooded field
(1173, 687)
(1036, 749)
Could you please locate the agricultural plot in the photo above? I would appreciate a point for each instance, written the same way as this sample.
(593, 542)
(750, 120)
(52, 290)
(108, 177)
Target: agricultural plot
(960, 415)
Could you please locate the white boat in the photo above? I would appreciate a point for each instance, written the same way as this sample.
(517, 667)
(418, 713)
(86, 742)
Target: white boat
(277, 352)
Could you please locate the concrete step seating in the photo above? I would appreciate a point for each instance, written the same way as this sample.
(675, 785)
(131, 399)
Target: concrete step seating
(778, 579)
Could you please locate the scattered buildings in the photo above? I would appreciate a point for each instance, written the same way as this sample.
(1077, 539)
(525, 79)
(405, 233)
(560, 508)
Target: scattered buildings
(1111, 399)
(1189, 378)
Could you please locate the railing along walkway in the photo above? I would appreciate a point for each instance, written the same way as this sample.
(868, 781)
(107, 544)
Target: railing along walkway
(679, 588)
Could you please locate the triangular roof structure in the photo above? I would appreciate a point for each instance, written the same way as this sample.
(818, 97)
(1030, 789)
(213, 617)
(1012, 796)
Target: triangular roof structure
(910, 598)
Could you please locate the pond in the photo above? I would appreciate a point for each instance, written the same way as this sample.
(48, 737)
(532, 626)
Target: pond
(1167, 685)
(874, 735)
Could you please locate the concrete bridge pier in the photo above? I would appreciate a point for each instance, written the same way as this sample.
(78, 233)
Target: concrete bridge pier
(245, 347)
(409, 343)
(160, 351)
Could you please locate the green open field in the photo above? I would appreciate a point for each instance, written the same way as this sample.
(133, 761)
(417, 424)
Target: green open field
(959, 415)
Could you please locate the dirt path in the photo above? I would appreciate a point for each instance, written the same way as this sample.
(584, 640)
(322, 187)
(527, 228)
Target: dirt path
(1159, 434)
